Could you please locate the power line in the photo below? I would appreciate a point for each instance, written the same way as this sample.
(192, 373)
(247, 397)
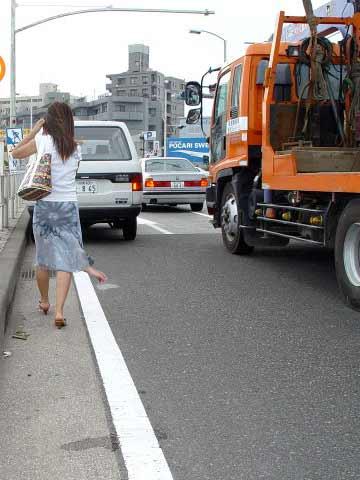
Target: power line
(62, 5)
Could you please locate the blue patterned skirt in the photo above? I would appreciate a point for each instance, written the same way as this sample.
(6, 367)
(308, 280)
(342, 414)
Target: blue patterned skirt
(58, 237)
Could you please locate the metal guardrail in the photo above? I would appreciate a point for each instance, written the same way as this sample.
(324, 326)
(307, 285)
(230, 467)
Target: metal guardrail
(10, 202)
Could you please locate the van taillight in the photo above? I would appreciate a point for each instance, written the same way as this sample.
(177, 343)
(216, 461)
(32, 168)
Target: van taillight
(136, 182)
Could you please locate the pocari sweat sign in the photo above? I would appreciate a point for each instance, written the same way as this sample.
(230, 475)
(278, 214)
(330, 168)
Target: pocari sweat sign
(192, 148)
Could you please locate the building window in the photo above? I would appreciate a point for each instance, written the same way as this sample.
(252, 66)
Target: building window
(121, 93)
(137, 65)
(133, 81)
(153, 77)
(121, 81)
(119, 107)
(133, 92)
(104, 108)
(152, 112)
(153, 91)
(152, 128)
(145, 80)
(145, 92)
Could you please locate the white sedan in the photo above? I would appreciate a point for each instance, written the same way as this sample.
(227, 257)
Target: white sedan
(173, 181)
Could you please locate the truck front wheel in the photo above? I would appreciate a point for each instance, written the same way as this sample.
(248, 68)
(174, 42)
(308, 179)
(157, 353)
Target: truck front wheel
(230, 218)
(347, 254)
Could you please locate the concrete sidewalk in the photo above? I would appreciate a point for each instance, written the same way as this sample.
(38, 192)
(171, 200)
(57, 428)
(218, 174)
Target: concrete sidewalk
(54, 422)
(12, 247)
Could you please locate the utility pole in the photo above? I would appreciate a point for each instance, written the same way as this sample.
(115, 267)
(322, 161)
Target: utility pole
(13, 67)
(31, 113)
(166, 82)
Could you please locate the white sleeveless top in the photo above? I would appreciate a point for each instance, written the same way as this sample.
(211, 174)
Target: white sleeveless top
(62, 172)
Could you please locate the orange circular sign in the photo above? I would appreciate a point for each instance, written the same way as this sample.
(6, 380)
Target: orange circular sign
(2, 68)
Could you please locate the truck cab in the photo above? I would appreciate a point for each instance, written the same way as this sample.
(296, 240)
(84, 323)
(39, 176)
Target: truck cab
(284, 148)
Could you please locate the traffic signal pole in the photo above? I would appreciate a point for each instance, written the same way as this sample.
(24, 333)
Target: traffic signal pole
(13, 67)
(67, 14)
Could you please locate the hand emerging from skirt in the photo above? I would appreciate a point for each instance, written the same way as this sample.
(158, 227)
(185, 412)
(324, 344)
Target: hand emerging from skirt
(100, 276)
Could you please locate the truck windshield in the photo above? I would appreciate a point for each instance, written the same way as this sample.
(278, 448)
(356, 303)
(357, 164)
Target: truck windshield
(102, 143)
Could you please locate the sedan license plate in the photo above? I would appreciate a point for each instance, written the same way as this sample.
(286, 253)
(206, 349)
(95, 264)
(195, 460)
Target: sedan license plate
(177, 184)
(86, 186)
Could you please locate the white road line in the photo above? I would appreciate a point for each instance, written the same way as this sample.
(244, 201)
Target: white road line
(142, 454)
(154, 225)
(202, 214)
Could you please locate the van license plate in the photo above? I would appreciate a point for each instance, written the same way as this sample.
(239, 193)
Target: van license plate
(86, 186)
(177, 184)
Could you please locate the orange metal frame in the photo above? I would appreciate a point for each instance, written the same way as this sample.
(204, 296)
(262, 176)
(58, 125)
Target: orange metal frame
(279, 171)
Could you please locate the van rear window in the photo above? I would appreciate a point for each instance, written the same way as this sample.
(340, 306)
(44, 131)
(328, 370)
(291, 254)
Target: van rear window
(102, 143)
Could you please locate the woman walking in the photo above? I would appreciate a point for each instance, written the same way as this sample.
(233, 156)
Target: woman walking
(56, 222)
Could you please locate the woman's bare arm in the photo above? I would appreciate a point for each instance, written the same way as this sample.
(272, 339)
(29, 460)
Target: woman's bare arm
(20, 151)
(23, 151)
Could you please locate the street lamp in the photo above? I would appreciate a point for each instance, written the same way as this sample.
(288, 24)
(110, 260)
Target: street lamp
(67, 14)
(198, 32)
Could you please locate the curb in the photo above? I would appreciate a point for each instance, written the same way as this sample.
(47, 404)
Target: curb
(10, 263)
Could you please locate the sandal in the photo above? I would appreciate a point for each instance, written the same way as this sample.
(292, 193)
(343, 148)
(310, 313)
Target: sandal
(60, 322)
(44, 309)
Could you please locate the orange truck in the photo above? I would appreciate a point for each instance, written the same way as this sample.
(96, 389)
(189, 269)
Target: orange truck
(285, 145)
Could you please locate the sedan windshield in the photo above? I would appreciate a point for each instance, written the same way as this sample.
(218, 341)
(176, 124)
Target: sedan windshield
(169, 165)
(102, 143)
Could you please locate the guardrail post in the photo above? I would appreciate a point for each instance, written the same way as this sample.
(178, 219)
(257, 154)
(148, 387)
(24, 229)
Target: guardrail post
(6, 204)
(12, 213)
(2, 201)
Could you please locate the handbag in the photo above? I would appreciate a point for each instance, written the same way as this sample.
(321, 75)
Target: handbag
(36, 183)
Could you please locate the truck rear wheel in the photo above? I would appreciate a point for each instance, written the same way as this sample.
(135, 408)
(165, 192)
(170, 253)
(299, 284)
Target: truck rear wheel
(130, 228)
(347, 254)
(230, 217)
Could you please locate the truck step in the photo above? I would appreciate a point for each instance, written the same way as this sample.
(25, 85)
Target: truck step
(290, 237)
(290, 207)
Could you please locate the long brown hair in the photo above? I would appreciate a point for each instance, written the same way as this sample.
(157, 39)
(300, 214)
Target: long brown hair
(59, 123)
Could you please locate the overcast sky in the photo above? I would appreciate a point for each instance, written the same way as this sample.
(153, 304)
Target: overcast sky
(77, 52)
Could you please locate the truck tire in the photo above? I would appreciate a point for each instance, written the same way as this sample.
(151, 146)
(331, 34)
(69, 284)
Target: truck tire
(230, 214)
(347, 254)
(196, 207)
(130, 228)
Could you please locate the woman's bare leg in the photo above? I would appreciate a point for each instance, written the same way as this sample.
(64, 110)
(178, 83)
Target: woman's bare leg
(42, 278)
(63, 282)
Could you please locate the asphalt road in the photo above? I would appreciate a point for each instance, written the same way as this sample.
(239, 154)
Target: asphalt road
(248, 367)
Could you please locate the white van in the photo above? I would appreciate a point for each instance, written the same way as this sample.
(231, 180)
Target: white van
(109, 180)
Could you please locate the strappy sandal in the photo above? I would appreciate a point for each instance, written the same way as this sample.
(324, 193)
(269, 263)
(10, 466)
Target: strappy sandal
(60, 322)
(44, 309)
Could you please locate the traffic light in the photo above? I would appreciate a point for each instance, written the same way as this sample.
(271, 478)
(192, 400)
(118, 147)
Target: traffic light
(2, 68)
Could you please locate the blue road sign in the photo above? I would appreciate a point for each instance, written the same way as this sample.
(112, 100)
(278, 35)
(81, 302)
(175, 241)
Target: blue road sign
(14, 136)
(192, 148)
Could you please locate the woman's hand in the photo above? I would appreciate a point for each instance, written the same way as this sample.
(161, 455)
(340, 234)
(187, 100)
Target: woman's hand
(37, 127)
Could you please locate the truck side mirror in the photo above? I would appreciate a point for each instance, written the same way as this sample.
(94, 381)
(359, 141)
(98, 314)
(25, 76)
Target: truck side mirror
(193, 116)
(205, 159)
(193, 94)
